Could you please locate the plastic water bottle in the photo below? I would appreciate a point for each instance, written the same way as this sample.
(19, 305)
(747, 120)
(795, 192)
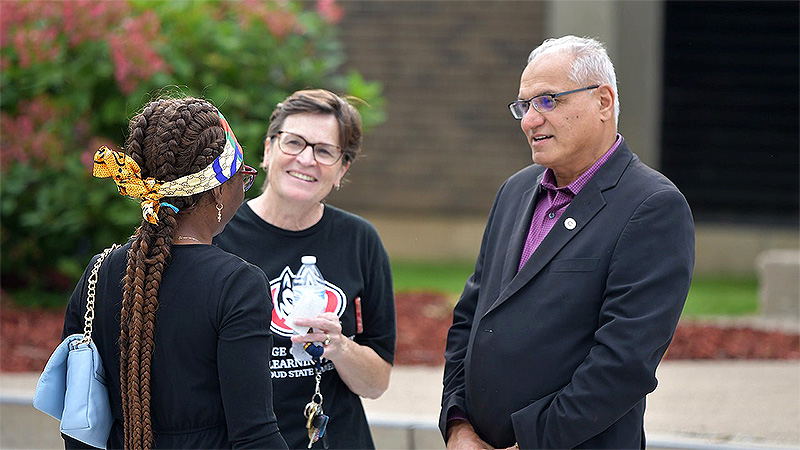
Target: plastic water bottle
(310, 299)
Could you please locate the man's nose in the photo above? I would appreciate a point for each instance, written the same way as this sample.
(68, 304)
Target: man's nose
(531, 119)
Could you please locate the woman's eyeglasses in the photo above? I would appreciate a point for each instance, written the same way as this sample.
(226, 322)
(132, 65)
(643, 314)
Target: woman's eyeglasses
(292, 144)
(248, 176)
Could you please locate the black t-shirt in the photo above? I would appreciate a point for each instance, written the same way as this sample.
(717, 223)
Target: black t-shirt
(210, 383)
(355, 265)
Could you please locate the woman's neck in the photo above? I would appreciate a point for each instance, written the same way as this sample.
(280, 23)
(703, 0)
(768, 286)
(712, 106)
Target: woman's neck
(186, 233)
(290, 216)
(196, 226)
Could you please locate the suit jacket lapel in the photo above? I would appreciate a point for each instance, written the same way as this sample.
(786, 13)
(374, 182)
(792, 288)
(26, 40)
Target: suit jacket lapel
(521, 226)
(583, 208)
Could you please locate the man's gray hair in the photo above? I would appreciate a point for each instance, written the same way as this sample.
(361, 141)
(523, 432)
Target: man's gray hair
(591, 64)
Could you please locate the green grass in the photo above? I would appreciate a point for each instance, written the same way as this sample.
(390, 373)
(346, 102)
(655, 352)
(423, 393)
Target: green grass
(722, 295)
(447, 277)
(708, 296)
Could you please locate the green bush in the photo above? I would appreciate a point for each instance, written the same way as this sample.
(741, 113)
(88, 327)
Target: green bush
(72, 74)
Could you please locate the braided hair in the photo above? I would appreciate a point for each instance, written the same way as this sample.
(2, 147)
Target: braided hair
(170, 138)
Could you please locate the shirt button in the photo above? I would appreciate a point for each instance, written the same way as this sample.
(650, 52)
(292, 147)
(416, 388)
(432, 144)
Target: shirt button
(551, 215)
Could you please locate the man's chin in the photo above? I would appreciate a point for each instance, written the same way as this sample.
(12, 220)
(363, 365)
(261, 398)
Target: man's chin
(538, 157)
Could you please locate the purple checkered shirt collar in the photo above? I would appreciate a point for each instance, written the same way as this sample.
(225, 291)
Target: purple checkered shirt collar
(549, 178)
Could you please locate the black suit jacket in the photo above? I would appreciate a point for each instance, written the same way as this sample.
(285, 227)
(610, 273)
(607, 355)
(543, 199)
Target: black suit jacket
(563, 353)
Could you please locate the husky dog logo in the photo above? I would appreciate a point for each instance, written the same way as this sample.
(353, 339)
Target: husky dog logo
(281, 289)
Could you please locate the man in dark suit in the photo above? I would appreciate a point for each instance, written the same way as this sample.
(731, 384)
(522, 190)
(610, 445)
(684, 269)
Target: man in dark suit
(583, 271)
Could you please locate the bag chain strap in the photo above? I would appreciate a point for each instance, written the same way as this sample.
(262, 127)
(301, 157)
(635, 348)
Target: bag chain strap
(87, 328)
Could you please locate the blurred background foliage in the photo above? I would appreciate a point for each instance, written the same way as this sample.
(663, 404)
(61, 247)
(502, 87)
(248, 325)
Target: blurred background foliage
(73, 73)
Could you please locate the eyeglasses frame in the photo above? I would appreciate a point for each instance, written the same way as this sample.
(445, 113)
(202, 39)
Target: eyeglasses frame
(248, 176)
(552, 96)
(308, 144)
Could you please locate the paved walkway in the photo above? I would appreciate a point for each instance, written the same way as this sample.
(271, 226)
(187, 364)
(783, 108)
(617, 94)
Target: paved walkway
(697, 405)
(736, 403)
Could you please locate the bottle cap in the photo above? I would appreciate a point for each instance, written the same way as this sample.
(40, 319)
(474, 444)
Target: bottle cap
(308, 259)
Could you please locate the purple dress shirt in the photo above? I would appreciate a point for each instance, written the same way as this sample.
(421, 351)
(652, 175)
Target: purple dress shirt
(554, 200)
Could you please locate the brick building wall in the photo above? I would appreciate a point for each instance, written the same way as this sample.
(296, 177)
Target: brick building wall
(448, 68)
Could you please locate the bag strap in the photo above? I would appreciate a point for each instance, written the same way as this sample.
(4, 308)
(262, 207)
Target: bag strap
(89, 317)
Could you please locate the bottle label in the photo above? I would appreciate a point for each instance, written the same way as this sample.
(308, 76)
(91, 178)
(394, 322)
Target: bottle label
(282, 290)
(309, 302)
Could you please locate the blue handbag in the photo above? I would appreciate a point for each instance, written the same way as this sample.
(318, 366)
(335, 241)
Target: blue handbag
(72, 387)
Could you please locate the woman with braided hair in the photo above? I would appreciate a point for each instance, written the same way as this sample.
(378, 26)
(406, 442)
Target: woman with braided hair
(181, 325)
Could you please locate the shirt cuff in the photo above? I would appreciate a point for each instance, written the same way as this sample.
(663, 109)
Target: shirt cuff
(456, 413)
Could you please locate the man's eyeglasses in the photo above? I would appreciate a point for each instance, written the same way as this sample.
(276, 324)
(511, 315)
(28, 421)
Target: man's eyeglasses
(248, 176)
(292, 144)
(541, 103)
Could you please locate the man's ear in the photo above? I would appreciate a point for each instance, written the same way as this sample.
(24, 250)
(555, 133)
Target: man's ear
(607, 100)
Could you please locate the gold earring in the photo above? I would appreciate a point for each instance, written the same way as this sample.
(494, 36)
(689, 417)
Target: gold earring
(219, 212)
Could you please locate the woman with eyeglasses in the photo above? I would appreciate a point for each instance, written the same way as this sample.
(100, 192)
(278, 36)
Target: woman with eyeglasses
(178, 322)
(312, 139)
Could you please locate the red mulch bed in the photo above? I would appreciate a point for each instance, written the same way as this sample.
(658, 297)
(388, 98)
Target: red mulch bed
(696, 341)
(423, 320)
(30, 335)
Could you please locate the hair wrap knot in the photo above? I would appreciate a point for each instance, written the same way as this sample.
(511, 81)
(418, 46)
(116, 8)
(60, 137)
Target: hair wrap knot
(128, 177)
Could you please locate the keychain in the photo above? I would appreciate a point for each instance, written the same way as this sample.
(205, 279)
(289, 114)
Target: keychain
(317, 421)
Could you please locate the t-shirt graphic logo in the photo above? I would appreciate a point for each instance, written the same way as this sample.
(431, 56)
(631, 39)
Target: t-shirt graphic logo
(283, 301)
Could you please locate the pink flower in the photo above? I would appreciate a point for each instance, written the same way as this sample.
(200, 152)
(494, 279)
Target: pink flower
(29, 137)
(92, 19)
(330, 11)
(135, 59)
(279, 20)
(8, 17)
(32, 44)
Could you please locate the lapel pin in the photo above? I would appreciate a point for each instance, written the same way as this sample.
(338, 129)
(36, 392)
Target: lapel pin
(570, 223)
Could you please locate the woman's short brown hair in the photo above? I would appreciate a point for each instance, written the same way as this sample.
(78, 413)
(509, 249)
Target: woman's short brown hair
(321, 101)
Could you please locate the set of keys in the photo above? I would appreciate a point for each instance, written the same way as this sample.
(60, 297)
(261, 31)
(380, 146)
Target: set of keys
(316, 421)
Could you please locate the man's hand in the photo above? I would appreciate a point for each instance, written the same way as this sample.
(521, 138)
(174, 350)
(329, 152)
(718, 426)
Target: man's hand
(462, 436)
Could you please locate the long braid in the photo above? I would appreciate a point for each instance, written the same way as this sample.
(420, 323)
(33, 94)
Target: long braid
(159, 255)
(132, 324)
(169, 139)
(133, 293)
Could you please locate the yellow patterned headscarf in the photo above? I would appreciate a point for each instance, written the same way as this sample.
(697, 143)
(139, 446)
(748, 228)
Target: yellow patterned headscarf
(128, 175)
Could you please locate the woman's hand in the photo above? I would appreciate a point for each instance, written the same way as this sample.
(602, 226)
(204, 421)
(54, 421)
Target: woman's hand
(326, 330)
(361, 369)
